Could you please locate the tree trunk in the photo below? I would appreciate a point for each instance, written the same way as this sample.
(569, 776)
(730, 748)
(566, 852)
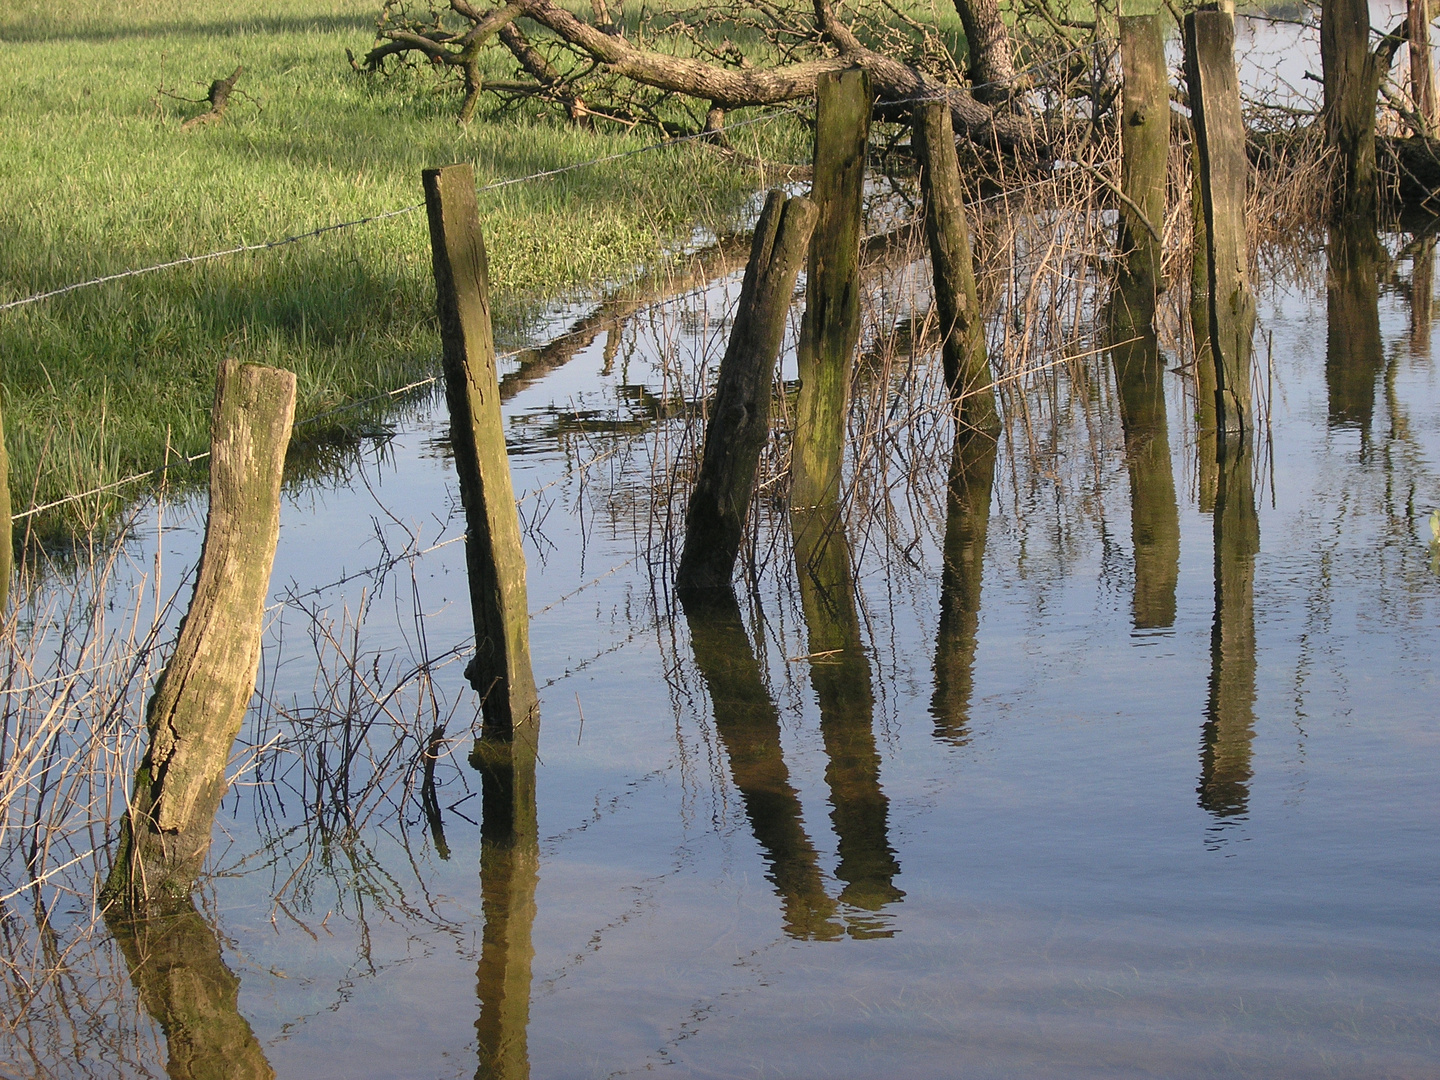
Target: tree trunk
(992, 72)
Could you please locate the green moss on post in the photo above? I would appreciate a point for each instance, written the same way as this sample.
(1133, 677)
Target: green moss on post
(1145, 151)
(830, 329)
(967, 367)
(201, 698)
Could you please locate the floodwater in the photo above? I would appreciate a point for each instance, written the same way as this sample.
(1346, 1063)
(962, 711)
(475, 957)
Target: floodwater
(1069, 756)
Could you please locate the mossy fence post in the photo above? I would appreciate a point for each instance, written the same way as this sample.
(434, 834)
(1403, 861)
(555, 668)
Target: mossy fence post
(500, 671)
(967, 368)
(1351, 78)
(1220, 135)
(1145, 152)
(830, 329)
(740, 416)
(201, 698)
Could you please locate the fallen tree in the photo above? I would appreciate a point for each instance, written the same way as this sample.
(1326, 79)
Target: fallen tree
(593, 69)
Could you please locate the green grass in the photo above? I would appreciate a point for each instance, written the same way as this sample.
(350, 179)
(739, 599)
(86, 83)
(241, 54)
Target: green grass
(98, 178)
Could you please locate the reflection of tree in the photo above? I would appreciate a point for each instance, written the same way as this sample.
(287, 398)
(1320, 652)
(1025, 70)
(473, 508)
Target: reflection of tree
(1230, 720)
(967, 517)
(1154, 516)
(840, 673)
(176, 967)
(509, 873)
(1422, 295)
(1353, 352)
(749, 727)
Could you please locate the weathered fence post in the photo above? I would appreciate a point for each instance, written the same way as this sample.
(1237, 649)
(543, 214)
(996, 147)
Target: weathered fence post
(1422, 76)
(967, 368)
(1220, 133)
(500, 671)
(830, 329)
(740, 416)
(201, 698)
(1351, 76)
(1145, 153)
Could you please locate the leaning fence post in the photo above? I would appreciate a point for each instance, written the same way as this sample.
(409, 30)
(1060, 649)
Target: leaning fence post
(500, 671)
(1220, 134)
(740, 417)
(967, 368)
(201, 698)
(830, 329)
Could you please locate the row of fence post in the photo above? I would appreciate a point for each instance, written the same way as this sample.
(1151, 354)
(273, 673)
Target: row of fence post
(195, 712)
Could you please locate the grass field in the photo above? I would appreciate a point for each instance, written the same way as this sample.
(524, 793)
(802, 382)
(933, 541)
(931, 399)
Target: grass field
(97, 178)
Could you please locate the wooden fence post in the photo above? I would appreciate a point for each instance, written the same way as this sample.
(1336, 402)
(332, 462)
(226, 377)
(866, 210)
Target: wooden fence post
(740, 416)
(1422, 76)
(500, 671)
(1145, 153)
(967, 369)
(1352, 81)
(830, 329)
(201, 698)
(7, 535)
(1220, 134)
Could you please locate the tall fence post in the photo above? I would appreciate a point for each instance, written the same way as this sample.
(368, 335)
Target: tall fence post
(830, 329)
(1422, 76)
(201, 698)
(967, 368)
(740, 416)
(500, 671)
(1145, 154)
(1220, 134)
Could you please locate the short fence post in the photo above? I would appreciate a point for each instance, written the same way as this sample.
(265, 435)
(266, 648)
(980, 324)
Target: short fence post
(500, 671)
(1145, 153)
(206, 687)
(830, 329)
(740, 417)
(1220, 133)
(967, 368)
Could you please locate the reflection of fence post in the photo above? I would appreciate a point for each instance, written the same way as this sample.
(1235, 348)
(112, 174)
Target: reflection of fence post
(967, 370)
(501, 670)
(185, 985)
(1145, 152)
(830, 329)
(1220, 133)
(202, 696)
(740, 416)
